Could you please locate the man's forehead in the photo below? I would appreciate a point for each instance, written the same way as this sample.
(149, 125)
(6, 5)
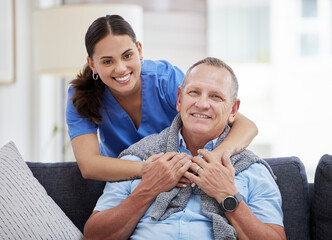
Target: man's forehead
(207, 73)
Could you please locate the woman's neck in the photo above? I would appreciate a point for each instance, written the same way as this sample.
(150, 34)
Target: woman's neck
(132, 104)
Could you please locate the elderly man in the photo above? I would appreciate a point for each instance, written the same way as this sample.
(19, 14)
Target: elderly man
(235, 198)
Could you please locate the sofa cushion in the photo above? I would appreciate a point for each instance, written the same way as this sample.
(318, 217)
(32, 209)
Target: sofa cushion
(293, 185)
(26, 211)
(322, 204)
(64, 183)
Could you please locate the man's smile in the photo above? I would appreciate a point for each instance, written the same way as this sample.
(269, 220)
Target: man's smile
(197, 115)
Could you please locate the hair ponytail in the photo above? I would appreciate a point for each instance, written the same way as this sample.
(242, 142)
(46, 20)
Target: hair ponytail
(88, 94)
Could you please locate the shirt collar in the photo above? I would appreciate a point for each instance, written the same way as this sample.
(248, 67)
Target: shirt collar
(182, 144)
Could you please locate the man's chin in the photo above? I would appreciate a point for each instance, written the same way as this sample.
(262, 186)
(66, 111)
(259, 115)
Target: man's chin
(199, 130)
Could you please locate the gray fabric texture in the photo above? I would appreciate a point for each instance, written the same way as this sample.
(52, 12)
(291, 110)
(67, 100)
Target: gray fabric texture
(176, 199)
(26, 210)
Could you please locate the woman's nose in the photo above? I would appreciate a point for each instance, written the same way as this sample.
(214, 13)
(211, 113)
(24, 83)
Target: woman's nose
(120, 67)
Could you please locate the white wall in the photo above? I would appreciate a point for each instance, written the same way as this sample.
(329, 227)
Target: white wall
(176, 36)
(289, 97)
(16, 101)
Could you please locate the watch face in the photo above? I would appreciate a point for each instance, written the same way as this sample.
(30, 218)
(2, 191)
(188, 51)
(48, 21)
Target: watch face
(230, 203)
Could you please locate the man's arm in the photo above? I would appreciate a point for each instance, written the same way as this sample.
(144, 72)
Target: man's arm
(216, 179)
(119, 222)
(160, 173)
(248, 226)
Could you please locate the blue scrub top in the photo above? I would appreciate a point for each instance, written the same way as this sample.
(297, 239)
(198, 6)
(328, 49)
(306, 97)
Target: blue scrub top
(160, 81)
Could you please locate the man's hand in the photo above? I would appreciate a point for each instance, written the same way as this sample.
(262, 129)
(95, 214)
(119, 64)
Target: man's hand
(214, 177)
(162, 172)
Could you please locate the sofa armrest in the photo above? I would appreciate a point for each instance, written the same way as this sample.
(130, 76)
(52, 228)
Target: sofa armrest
(293, 185)
(321, 204)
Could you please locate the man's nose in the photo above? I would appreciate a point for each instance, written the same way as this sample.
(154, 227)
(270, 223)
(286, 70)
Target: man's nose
(203, 102)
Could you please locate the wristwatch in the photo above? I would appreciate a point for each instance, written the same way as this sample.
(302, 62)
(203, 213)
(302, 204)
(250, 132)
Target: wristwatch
(230, 203)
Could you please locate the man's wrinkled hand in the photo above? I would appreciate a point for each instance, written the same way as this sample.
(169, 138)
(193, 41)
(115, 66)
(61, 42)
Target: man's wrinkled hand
(162, 172)
(214, 177)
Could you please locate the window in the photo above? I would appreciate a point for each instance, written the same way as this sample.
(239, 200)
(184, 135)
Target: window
(309, 8)
(239, 32)
(309, 44)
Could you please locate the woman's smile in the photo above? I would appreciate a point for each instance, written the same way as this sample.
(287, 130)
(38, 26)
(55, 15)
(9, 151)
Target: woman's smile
(123, 80)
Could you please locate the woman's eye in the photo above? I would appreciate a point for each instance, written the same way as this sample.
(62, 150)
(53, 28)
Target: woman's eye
(107, 62)
(127, 56)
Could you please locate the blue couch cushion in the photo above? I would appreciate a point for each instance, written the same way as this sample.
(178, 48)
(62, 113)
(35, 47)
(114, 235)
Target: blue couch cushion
(64, 183)
(293, 185)
(322, 201)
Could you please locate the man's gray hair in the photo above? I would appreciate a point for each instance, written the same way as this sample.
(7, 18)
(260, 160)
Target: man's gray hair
(215, 62)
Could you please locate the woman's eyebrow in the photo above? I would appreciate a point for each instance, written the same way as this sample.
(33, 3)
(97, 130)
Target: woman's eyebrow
(121, 54)
(126, 51)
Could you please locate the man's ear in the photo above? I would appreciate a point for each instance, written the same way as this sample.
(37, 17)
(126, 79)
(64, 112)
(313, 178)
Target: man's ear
(91, 65)
(235, 110)
(179, 99)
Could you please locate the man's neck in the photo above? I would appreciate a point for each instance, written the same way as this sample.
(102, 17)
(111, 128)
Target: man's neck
(194, 143)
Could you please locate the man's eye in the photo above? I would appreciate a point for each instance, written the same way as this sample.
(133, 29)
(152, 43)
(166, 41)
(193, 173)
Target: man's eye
(193, 92)
(217, 97)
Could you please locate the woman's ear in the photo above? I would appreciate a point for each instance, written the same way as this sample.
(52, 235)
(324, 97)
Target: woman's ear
(140, 50)
(91, 64)
(235, 110)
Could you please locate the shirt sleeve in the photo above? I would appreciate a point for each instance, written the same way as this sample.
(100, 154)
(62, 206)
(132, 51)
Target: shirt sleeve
(175, 80)
(171, 79)
(261, 193)
(76, 124)
(116, 192)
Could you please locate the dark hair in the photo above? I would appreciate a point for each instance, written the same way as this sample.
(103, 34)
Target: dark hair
(87, 97)
(215, 62)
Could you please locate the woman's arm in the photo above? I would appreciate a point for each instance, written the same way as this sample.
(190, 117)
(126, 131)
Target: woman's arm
(161, 173)
(240, 136)
(97, 167)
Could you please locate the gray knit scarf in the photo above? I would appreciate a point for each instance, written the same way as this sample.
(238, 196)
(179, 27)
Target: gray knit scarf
(176, 199)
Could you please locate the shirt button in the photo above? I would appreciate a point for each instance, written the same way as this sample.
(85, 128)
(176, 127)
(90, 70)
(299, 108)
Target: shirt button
(183, 222)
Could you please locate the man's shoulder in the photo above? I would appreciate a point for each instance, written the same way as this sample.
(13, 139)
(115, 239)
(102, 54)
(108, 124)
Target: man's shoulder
(246, 159)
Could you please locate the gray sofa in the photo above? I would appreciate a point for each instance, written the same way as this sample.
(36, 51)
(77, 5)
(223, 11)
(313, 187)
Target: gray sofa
(53, 201)
(307, 207)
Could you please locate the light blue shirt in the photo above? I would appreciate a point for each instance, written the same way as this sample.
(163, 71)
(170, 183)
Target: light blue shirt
(160, 81)
(256, 185)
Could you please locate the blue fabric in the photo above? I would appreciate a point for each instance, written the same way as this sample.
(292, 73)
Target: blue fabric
(256, 185)
(160, 81)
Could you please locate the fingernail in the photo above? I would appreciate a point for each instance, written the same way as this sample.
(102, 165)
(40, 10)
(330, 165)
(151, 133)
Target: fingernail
(193, 184)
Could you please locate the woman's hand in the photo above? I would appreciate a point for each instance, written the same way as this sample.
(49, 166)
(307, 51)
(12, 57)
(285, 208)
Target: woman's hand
(183, 182)
(162, 172)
